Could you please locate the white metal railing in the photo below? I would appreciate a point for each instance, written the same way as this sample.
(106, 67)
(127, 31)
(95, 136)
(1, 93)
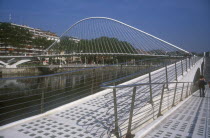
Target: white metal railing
(38, 94)
(147, 101)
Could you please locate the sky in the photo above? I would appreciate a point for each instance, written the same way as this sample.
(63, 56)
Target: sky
(184, 23)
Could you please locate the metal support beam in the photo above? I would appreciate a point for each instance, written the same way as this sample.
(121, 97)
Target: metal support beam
(129, 135)
(161, 101)
(42, 102)
(166, 69)
(115, 114)
(186, 64)
(93, 78)
(182, 68)
(150, 88)
(173, 104)
(182, 92)
(176, 71)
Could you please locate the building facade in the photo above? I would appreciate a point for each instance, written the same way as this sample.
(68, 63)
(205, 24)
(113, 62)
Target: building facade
(36, 42)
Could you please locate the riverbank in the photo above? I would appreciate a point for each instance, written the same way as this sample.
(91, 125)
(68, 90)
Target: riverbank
(13, 71)
(56, 69)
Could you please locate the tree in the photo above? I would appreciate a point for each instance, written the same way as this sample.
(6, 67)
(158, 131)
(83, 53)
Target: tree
(20, 38)
(97, 45)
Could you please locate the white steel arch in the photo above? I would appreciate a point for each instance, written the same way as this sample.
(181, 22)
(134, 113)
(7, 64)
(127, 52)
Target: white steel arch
(106, 18)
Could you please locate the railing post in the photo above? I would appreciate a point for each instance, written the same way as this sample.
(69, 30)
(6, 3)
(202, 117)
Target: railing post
(161, 101)
(166, 76)
(115, 114)
(186, 64)
(129, 135)
(173, 104)
(92, 85)
(151, 98)
(42, 102)
(42, 96)
(176, 71)
(187, 90)
(93, 77)
(150, 88)
(182, 92)
(182, 68)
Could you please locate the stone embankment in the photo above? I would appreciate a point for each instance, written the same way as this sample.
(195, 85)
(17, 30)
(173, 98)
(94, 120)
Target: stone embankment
(19, 71)
(56, 69)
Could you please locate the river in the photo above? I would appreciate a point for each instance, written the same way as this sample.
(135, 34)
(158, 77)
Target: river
(28, 96)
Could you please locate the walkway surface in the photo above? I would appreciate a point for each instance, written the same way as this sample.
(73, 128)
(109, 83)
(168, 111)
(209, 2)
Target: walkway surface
(80, 120)
(191, 120)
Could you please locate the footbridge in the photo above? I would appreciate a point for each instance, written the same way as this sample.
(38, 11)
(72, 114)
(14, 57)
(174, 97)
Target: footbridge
(189, 119)
(120, 110)
(13, 63)
(129, 99)
(101, 39)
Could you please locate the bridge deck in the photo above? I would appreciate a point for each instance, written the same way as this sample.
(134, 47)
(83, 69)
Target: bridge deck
(192, 119)
(74, 120)
(87, 118)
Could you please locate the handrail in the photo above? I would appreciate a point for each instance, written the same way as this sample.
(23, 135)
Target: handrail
(125, 115)
(159, 103)
(44, 95)
(135, 85)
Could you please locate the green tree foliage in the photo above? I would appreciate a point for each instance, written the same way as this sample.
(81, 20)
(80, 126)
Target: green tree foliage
(19, 37)
(98, 45)
(41, 42)
(14, 35)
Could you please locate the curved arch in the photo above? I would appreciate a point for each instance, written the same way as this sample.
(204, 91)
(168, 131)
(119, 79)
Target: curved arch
(116, 21)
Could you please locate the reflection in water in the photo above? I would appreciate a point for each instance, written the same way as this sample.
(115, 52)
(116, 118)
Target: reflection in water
(21, 98)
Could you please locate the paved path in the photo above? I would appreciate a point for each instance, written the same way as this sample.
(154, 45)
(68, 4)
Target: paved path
(191, 120)
(76, 120)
